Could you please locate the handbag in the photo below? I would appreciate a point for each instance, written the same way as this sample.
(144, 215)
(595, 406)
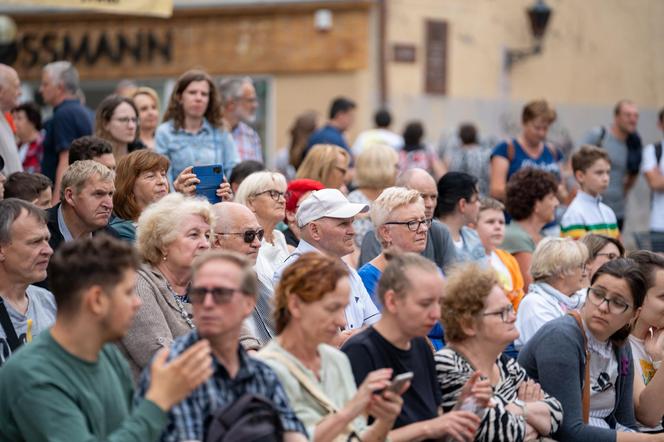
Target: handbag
(586, 375)
(348, 434)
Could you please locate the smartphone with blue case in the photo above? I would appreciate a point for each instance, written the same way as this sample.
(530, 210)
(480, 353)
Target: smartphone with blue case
(211, 177)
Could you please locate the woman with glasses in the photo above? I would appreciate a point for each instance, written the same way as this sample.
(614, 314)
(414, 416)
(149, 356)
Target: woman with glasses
(327, 164)
(400, 223)
(568, 350)
(264, 193)
(170, 234)
(558, 269)
(479, 322)
(601, 249)
(117, 122)
(309, 311)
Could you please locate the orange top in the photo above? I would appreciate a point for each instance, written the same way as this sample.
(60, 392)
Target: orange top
(516, 294)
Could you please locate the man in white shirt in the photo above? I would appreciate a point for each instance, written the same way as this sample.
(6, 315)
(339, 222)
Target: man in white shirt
(652, 167)
(10, 90)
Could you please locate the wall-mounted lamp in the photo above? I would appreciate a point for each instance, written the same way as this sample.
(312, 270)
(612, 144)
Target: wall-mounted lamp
(538, 15)
(323, 20)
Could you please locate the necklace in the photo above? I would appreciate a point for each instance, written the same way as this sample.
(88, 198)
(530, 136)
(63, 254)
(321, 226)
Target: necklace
(180, 305)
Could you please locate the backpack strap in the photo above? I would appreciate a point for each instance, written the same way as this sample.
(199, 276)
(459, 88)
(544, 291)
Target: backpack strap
(586, 376)
(8, 327)
(511, 153)
(658, 152)
(602, 134)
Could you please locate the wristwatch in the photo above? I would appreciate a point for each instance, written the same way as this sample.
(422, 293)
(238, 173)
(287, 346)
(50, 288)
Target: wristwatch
(521, 404)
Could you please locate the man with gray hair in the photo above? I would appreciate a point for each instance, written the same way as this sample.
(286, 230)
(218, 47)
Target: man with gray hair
(10, 90)
(86, 203)
(239, 100)
(25, 309)
(59, 88)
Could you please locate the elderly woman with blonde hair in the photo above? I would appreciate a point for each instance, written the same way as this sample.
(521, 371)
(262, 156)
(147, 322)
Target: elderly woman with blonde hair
(327, 164)
(375, 170)
(558, 269)
(170, 234)
(264, 193)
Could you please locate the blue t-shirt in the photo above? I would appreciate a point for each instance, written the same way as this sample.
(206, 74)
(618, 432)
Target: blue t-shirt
(70, 120)
(370, 276)
(327, 135)
(547, 160)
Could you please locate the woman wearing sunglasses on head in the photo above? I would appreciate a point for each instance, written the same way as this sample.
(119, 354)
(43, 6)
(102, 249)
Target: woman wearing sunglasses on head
(585, 363)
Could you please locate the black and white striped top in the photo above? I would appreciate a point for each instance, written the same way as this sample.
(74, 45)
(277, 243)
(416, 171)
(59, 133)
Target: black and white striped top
(498, 424)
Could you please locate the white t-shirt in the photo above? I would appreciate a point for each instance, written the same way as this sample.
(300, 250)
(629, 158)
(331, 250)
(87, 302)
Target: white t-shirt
(648, 163)
(643, 367)
(270, 257)
(603, 377)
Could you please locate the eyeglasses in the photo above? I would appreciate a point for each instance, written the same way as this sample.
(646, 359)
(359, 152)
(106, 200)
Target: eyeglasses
(274, 194)
(505, 314)
(220, 295)
(615, 305)
(127, 120)
(341, 169)
(413, 225)
(609, 256)
(249, 235)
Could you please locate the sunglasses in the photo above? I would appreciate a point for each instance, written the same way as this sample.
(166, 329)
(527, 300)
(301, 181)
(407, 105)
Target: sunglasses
(248, 235)
(220, 295)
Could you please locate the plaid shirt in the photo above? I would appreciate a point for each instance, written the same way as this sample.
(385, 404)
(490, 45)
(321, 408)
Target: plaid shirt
(186, 419)
(248, 142)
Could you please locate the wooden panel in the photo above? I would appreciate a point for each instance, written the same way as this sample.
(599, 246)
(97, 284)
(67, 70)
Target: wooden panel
(252, 41)
(436, 57)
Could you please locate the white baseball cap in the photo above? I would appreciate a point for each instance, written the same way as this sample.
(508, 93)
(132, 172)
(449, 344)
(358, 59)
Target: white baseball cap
(327, 203)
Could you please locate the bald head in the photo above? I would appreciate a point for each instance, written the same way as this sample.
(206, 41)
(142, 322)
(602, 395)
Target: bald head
(233, 220)
(423, 182)
(10, 88)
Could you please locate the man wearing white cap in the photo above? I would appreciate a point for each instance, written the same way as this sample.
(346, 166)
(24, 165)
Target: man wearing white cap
(326, 221)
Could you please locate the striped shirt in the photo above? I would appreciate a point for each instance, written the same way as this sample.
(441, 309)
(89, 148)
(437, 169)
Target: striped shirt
(588, 214)
(186, 419)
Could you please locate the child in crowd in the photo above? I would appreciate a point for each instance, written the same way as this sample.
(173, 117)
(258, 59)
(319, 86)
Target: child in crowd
(491, 229)
(587, 214)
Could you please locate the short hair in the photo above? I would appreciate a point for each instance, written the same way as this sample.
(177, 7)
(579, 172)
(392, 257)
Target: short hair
(391, 199)
(80, 172)
(159, 222)
(596, 242)
(63, 72)
(297, 281)
(248, 282)
(296, 189)
(395, 276)
(619, 105)
(105, 112)
(243, 169)
(452, 188)
(32, 113)
(78, 265)
(650, 263)
(468, 133)
(376, 167)
(175, 111)
(525, 188)
(320, 161)
(26, 186)
(538, 109)
(127, 172)
(584, 158)
(630, 271)
(341, 105)
(468, 286)
(488, 203)
(88, 147)
(231, 88)
(259, 182)
(144, 90)
(413, 133)
(10, 210)
(557, 256)
(383, 118)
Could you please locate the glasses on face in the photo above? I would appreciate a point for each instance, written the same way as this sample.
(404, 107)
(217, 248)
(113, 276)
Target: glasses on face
(248, 235)
(505, 314)
(220, 295)
(413, 225)
(342, 170)
(126, 120)
(609, 256)
(274, 194)
(615, 305)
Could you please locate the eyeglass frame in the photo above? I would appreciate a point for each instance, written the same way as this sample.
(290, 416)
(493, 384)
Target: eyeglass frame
(220, 295)
(272, 192)
(610, 256)
(427, 222)
(592, 290)
(504, 313)
(126, 120)
(260, 233)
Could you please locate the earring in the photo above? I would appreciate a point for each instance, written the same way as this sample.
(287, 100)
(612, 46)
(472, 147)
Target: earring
(164, 258)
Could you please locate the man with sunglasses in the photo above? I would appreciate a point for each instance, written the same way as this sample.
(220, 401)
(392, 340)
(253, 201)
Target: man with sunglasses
(222, 294)
(326, 219)
(238, 230)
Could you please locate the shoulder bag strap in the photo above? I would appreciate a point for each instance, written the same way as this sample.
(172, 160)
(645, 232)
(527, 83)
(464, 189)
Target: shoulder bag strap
(6, 322)
(586, 376)
(511, 152)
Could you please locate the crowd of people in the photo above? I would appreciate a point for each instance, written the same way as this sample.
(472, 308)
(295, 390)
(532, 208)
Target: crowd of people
(373, 290)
